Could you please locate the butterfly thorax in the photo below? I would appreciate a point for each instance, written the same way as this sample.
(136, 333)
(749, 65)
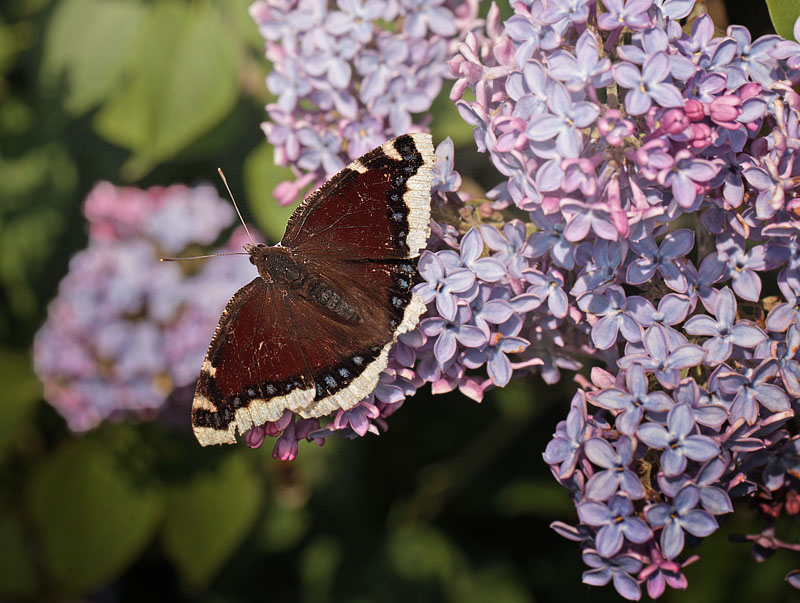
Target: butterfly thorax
(278, 266)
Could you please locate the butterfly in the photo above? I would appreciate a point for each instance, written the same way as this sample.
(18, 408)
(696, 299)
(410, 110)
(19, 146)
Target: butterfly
(312, 332)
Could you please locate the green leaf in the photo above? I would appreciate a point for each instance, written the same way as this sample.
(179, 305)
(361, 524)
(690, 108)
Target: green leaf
(88, 46)
(540, 498)
(208, 517)
(18, 577)
(420, 552)
(21, 391)
(784, 13)
(449, 122)
(93, 517)
(260, 177)
(184, 84)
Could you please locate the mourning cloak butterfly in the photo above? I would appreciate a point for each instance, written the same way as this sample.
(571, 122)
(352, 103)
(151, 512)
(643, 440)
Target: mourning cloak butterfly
(312, 332)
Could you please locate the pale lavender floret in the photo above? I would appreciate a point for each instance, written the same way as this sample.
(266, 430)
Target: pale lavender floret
(785, 356)
(548, 287)
(565, 447)
(330, 58)
(379, 66)
(564, 122)
(529, 89)
(357, 418)
(445, 178)
(363, 136)
(582, 69)
(651, 258)
(700, 282)
(615, 522)
(672, 309)
(576, 11)
(611, 306)
(705, 409)
(355, 18)
(631, 14)
(448, 333)
(665, 362)
(678, 440)
(621, 569)
(685, 175)
(289, 82)
(681, 515)
(489, 269)
(429, 15)
(320, 151)
(725, 331)
(616, 474)
(583, 217)
(714, 499)
(601, 262)
(632, 404)
(701, 41)
(751, 386)
(510, 247)
(398, 102)
(742, 266)
(550, 237)
(441, 284)
(491, 306)
(494, 352)
(754, 57)
(771, 188)
(673, 9)
(653, 41)
(647, 86)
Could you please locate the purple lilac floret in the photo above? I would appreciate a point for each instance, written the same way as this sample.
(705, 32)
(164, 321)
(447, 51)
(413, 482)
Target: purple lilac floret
(656, 165)
(126, 330)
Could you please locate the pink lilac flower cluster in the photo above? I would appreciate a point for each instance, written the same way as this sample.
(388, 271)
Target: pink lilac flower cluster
(349, 76)
(127, 330)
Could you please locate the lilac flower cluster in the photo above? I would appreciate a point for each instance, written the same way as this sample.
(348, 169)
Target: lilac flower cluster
(657, 169)
(657, 166)
(126, 330)
(348, 78)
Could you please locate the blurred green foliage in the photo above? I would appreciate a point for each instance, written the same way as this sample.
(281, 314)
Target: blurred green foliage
(452, 504)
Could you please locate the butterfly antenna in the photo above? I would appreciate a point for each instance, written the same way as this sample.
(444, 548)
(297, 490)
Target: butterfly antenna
(225, 181)
(202, 257)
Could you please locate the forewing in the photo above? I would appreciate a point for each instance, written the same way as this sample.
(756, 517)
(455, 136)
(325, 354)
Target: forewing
(378, 207)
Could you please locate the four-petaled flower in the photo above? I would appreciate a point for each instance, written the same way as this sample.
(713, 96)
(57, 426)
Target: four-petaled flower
(723, 332)
(681, 515)
(678, 441)
(442, 284)
(665, 259)
(617, 475)
(632, 404)
(667, 363)
(750, 386)
(616, 524)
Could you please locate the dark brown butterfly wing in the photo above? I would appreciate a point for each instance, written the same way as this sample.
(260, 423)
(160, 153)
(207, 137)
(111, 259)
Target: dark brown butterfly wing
(277, 348)
(378, 207)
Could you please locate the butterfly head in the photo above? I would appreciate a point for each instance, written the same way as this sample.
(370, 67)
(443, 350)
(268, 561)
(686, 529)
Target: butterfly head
(277, 265)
